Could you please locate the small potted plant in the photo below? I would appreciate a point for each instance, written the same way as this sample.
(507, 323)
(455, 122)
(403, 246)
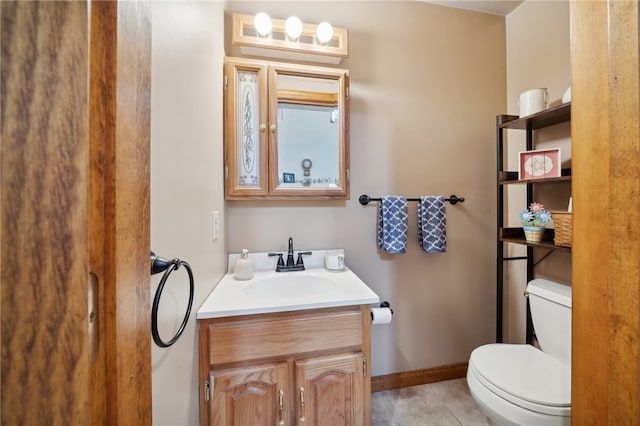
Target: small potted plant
(534, 221)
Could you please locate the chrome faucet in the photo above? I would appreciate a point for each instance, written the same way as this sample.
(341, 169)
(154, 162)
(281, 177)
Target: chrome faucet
(290, 266)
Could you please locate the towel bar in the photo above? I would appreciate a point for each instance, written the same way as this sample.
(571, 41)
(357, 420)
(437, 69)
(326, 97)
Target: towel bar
(453, 199)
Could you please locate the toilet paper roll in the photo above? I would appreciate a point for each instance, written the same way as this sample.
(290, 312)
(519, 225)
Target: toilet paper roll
(381, 315)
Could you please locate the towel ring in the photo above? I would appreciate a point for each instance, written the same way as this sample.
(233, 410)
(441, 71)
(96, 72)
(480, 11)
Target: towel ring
(159, 264)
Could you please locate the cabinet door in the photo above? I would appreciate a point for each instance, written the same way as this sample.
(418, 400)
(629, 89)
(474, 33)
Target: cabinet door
(254, 396)
(330, 390)
(309, 138)
(286, 131)
(246, 134)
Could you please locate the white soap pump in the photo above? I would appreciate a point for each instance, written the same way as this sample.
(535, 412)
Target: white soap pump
(243, 268)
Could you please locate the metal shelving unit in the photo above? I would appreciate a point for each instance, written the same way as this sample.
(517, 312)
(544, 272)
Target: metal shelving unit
(529, 124)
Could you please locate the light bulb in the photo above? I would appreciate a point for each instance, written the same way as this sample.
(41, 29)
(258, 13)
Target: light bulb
(293, 26)
(324, 32)
(262, 22)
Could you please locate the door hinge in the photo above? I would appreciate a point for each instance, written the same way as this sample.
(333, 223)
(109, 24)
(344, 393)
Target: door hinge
(348, 175)
(226, 172)
(207, 390)
(364, 366)
(347, 91)
(226, 83)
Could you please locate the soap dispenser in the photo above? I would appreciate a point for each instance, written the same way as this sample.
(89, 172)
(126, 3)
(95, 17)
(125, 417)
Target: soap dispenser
(243, 268)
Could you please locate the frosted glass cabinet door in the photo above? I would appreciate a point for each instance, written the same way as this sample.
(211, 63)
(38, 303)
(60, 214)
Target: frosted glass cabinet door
(246, 128)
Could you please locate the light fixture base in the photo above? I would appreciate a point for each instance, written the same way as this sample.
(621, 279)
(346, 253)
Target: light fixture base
(306, 48)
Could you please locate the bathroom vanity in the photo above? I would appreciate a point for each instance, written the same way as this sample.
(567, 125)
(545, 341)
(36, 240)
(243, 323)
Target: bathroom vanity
(289, 348)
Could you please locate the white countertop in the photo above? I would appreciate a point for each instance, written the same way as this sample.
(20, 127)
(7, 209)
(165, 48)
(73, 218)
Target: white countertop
(269, 291)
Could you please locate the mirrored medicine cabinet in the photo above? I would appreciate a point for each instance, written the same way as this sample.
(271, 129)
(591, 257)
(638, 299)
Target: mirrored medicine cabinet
(286, 131)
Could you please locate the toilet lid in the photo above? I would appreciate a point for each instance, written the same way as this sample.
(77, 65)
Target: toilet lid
(524, 376)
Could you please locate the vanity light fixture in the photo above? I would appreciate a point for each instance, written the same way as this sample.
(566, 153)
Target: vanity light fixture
(293, 27)
(324, 32)
(263, 25)
(292, 39)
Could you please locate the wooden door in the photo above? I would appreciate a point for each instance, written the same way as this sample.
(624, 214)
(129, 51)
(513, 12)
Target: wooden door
(605, 128)
(330, 390)
(74, 222)
(257, 395)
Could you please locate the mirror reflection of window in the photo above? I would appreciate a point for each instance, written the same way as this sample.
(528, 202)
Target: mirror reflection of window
(308, 132)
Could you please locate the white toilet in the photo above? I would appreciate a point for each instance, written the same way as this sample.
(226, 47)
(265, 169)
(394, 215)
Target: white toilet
(523, 385)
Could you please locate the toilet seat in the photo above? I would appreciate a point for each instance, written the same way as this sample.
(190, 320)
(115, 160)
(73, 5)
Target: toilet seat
(524, 376)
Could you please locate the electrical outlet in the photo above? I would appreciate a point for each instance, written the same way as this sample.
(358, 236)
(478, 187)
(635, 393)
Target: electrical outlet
(215, 224)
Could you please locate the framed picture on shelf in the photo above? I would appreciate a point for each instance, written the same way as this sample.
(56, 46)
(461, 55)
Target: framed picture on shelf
(288, 178)
(539, 164)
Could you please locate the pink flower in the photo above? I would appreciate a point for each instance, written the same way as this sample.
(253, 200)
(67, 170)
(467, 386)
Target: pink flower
(536, 207)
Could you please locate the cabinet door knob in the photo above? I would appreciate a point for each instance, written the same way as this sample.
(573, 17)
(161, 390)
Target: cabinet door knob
(263, 127)
(273, 128)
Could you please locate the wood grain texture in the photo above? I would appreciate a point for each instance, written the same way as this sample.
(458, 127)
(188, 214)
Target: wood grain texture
(624, 293)
(102, 83)
(334, 391)
(366, 351)
(233, 67)
(75, 197)
(325, 349)
(127, 223)
(267, 336)
(590, 188)
(43, 257)
(240, 393)
(418, 377)
(204, 371)
(606, 183)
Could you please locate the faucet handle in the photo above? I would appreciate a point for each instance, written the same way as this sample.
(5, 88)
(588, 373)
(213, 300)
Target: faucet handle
(299, 262)
(280, 259)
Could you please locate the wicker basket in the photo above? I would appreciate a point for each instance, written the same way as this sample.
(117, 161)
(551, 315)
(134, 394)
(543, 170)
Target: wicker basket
(562, 222)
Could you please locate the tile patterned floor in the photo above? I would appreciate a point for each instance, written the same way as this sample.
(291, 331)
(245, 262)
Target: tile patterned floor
(434, 404)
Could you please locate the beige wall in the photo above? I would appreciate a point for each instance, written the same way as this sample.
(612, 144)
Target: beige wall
(426, 84)
(538, 55)
(186, 186)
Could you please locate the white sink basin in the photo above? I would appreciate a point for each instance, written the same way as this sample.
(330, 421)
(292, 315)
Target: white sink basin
(290, 285)
(270, 291)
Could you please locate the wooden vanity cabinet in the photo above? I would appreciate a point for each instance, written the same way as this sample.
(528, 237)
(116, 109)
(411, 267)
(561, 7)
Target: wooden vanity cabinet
(292, 368)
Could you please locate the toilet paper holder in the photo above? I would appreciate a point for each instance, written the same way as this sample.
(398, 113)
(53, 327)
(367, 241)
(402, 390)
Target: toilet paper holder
(384, 304)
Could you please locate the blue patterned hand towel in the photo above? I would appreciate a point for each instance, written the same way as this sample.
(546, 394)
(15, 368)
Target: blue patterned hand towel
(392, 224)
(432, 224)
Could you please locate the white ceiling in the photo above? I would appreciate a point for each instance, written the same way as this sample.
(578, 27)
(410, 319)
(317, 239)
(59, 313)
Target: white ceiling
(495, 7)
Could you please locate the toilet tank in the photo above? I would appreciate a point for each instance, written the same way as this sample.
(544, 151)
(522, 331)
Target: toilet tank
(550, 304)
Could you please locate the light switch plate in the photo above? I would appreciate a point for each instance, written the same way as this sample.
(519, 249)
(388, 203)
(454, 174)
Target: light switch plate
(215, 224)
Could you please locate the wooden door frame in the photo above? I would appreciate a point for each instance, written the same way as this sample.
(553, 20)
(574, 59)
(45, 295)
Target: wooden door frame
(605, 131)
(120, 137)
